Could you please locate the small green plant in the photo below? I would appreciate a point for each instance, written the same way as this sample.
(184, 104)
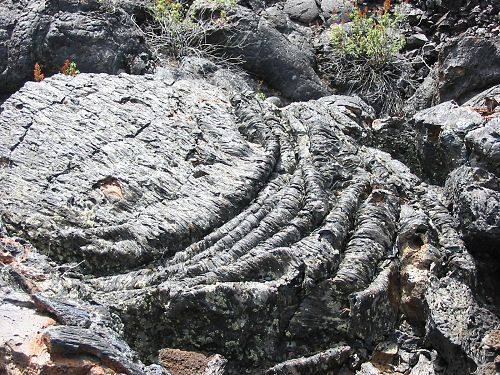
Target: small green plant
(226, 4)
(260, 95)
(172, 10)
(69, 68)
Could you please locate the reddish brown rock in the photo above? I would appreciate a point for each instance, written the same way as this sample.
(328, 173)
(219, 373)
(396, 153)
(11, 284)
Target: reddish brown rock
(180, 362)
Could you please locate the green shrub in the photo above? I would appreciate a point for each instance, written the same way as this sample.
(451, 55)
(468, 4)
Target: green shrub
(364, 58)
(376, 38)
(260, 95)
(174, 11)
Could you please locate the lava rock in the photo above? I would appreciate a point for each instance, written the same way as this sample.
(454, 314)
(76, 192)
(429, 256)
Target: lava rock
(270, 55)
(115, 167)
(440, 138)
(469, 322)
(178, 214)
(416, 41)
(97, 38)
(305, 11)
(336, 10)
(475, 196)
(485, 145)
(468, 66)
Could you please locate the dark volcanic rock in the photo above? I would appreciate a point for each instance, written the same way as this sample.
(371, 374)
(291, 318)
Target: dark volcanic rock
(441, 131)
(458, 335)
(304, 11)
(468, 66)
(475, 195)
(97, 38)
(206, 221)
(459, 147)
(268, 54)
(329, 361)
(41, 335)
(485, 145)
(117, 176)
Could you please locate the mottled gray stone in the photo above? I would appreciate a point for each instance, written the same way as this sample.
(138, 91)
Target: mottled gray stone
(440, 138)
(467, 66)
(197, 217)
(284, 65)
(98, 39)
(305, 11)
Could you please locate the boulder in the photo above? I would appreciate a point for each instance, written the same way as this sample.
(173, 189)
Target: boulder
(425, 95)
(336, 10)
(95, 37)
(475, 195)
(467, 66)
(300, 35)
(441, 132)
(484, 144)
(269, 55)
(470, 325)
(305, 11)
(416, 40)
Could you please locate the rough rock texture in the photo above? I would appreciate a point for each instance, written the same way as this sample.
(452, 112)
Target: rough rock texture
(181, 215)
(440, 137)
(304, 11)
(270, 55)
(459, 148)
(335, 9)
(97, 38)
(43, 334)
(117, 209)
(468, 66)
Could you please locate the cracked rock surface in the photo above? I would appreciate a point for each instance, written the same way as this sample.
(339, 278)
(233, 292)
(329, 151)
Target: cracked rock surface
(168, 213)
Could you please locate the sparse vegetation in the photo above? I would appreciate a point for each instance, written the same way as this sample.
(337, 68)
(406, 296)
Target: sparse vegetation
(375, 38)
(37, 73)
(260, 95)
(365, 59)
(178, 30)
(69, 68)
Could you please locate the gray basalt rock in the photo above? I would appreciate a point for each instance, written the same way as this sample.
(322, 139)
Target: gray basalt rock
(467, 66)
(440, 138)
(337, 10)
(329, 361)
(459, 148)
(97, 38)
(484, 144)
(178, 214)
(44, 335)
(475, 196)
(459, 335)
(122, 185)
(305, 11)
(269, 55)
(425, 95)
